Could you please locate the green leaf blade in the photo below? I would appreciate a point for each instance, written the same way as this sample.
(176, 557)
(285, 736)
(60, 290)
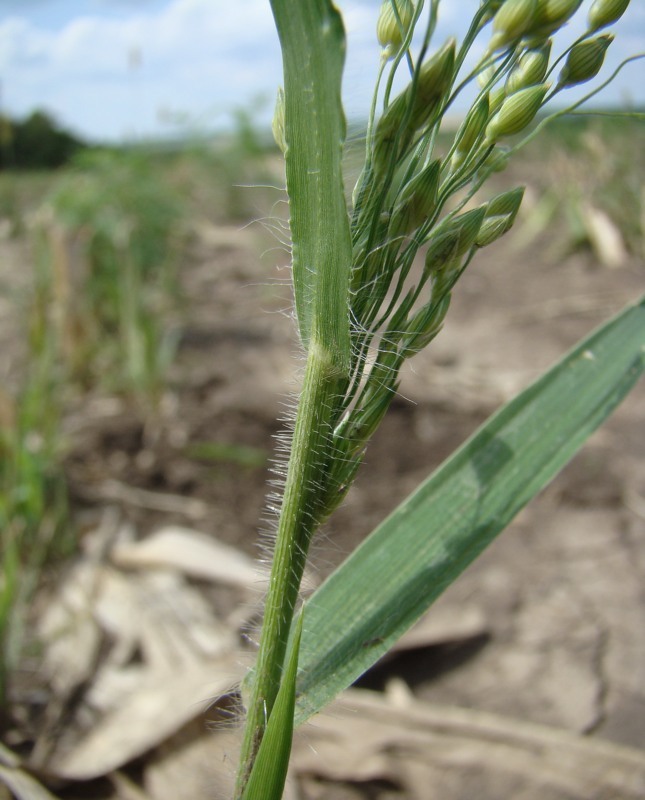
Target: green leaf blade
(269, 772)
(312, 37)
(420, 549)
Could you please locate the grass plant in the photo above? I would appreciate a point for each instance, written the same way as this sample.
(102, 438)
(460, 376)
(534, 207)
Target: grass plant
(105, 234)
(106, 256)
(567, 186)
(35, 529)
(103, 280)
(372, 280)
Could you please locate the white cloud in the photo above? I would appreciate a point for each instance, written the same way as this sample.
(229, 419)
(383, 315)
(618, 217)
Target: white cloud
(193, 57)
(201, 57)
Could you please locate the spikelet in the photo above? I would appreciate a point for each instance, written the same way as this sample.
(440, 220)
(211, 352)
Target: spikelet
(516, 113)
(473, 128)
(391, 31)
(508, 202)
(511, 22)
(457, 237)
(485, 76)
(417, 200)
(497, 161)
(584, 61)
(424, 326)
(606, 12)
(496, 98)
(277, 124)
(500, 216)
(492, 7)
(530, 69)
(551, 15)
(435, 76)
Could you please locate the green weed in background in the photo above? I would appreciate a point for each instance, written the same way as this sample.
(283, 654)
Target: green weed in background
(225, 453)
(106, 258)
(35, 529)
(104, 244)
(107, 235)
(241, 170)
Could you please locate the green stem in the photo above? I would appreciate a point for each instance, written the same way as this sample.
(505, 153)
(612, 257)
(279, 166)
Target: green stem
(312, 39)
(297, 523)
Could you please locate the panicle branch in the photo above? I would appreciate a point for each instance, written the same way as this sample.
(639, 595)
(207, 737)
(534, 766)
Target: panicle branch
(415, 192)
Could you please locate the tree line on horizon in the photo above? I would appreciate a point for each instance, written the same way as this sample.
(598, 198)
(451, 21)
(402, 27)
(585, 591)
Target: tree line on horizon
(36, 142)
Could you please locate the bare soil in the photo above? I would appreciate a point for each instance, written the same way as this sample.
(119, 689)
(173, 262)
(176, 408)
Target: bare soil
(560, 595)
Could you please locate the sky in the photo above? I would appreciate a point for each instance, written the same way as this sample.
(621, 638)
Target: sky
(123, 70)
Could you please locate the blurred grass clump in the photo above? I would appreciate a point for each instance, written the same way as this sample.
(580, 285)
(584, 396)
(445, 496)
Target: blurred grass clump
(105, 237)
(34, 522)
(581, 207)
(107, 240)
(101, 309)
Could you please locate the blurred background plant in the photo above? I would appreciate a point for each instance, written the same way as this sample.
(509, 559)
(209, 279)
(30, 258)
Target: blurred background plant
(107, 237)
(602, 209)
(34, 525)
(105, 232)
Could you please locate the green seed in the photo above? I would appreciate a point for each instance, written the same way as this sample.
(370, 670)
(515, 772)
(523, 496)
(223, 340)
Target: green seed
(475, 124)
(552, 14)
(454, 240)
(605, 12)
(530, 69)
(584, 61)
(516, 113)
(391, 31)
(417, 200)
(511, 22)
(277, 124)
